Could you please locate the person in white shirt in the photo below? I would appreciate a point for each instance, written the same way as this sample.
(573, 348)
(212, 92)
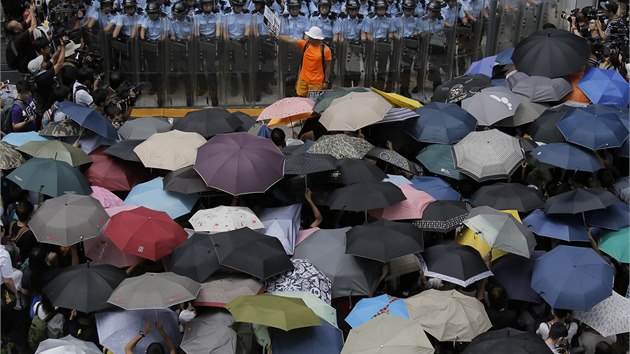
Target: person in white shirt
(83, 86)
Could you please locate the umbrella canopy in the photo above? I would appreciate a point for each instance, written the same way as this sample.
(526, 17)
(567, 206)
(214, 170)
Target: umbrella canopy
(442, 123)
(559, 226)
(196, 258)
(384, 240)
(615, 217)
(492, 104)
(514, 273)
(595, 131)
(354, 111)
(545, 128)
(410, 208)
(19, 139)
(305, 277)
(438, 158)
(251, 252)
(394, 158)
(397, 115)
(369, 308)
(50, 177)
(482, 67)
(61, 129)
(539, 88)
(341, 146)
(240, 163)
(455, 263)
(572, 278)
(211, 332)
(88, 118)
(145, 233)
(114, 174)
(324, 339)
(67, 344)
(143, 128)
(225, 218)
(273, 311)
(55, 149)
(302, 164)
(105, 197)
(580, 200)
(459, 88)
(357, 171)
(388, 334)
(220, 289)
(616, 244)
(68, 219)
(9, 157)
(154, 291)
(84, 287)
(287, 110)
(551, 53)
(443, 215)
(185, 180)
(437, 187)
(605, 87)
(152, 195)
(609, 316)
(124, 150)
(507, 340)
(513, 196)
(283, 223)
(487, 155)
(448, 315)
(567, 156)
(365, 196)
(350, 275)
(321, 308)
(324, 100)
(171, 150)
(398, 100)
(208, 122)
(526, 112)
(102, 250)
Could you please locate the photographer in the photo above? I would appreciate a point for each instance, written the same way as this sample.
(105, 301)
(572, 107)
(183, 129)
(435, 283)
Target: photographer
(616, 31)
(579, 20)
(22, 38)
(45, 68)
(23, 109)
(85, 84)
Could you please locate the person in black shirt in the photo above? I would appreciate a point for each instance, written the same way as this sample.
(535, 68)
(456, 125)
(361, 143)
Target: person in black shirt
(22, 36)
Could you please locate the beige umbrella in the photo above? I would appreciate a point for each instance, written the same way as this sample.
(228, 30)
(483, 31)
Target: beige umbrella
(386, 334)
(169, 151)
(223, 288)
(448, 315)
(354, 111)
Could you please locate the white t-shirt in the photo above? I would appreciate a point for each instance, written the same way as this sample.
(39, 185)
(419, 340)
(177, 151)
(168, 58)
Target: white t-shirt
(81, 97)
(6, 269)
(543, 331)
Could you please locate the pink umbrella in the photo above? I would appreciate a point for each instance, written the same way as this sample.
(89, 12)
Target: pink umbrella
(303, 234)
(105, 197)
(102, 250)
(287, 110)
(410, 208)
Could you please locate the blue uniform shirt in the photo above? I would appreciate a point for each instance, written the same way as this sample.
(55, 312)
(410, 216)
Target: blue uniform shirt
(154, 29)
(207, 23)
(102, 18)
(380, 27)
(426, 24)
(127, 22)
(167, 10)
(258, 20)
(474, 6)
(326, 25)
(236, 24)
(294, 27)
(407, 25)
(394, 9)
(450, 14)
(420, 8)
(350, 28)
(181, 29)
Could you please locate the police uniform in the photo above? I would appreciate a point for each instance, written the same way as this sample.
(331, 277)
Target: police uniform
(336, 7)
(127, 23)
(349, 30)
(407, 30)
(102, 18)
(121, 49)
(325, 24)
(294, 27)
(181, 30)
(451, 14)
(266, 50)
(154, 29)
(207, 23)
(151, 59)
(238, 56)
(380, 29)
(166, 10)
(421, 7)
(475, 7)
(432, 30)
(394, 8)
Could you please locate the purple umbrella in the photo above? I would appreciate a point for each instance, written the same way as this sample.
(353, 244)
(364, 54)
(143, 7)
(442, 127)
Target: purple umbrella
(239, 163)
(282, 223)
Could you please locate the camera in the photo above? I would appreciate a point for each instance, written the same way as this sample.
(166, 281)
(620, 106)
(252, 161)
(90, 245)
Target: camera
(567, 15)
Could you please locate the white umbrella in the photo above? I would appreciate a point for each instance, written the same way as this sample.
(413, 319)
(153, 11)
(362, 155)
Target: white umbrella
(225, 218)
(67, 345)
(609, 317)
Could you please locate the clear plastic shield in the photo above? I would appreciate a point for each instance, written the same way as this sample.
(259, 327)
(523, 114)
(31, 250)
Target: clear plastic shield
(236, 65)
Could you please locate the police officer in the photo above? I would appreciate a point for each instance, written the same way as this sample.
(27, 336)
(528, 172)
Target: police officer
(407, 31)
(266, 47)
(293, 25)
(421, 8)
(192, 6)
(207, 26)
(181, 31)
(126, 29)
(431, 26)
(365, 7)
(236, 22)
(380, 28)
(348, 29)
(104, 17)
(154, 28)
(335, 7)
(325, 20)
(393, 7)
(451, 13)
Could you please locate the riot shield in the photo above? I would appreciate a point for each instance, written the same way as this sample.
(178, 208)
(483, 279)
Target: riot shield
(152, 71)
(507, 22)
(265, 81)
(351, 63)
(206, 71)
(441, 46)
(370, 63)
(236, 65)
(409, 64)
(180, 77)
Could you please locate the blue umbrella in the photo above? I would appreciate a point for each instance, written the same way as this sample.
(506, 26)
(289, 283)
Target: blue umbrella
(572, 278)
(18, 139)
(624, 150)
(436, 187)
(366, 309)
(514, 273)
(324, 339)
(558, 226)
(505, 57)
(568, 157)
(605, 87)
(441, 123)
(90, 119)
(483, 66)
(591, 129)
(152, 195)
(282, 223)
(615, 217)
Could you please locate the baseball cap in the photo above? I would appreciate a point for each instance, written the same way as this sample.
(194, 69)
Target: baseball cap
(35, 64)
(610, 5)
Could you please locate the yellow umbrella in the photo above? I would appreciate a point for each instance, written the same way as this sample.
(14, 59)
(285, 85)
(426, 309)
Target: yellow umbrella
(398, 100)
(470, 238)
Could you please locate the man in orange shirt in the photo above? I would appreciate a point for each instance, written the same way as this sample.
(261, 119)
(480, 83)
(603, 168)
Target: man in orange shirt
(316, 61)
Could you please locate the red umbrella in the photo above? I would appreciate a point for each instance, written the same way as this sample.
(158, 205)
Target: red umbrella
(114, 174)
(145, 233)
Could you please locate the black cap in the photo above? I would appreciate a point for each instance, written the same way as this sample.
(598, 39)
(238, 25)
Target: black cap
(610, 5)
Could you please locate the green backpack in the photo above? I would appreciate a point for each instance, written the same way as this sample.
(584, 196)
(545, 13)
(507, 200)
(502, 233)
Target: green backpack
(38, 332)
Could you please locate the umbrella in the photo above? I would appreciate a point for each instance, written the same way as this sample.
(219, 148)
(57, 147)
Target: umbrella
(442, 123)
(282, 223)
(388, 334)
(487, 155)
(471, 238)
(492, 104)
(57, 150)
(459, 88)
(324, 339)
(220, 289)
(482, 67)
(580, 200)
(545, 128)
(302, 164)
(196, 258)
(102, 250)
(185, 180)
(609, 317)
(539, 88)
(455, 263)
(615, 217)
(438, 158)
(396, 179)
(117, 328)
(384, 240)
(124, 150)
(50, 177)
(507, 340)
(394, 158)
(19, 139)
(508, 196)
(247, 121)
(568, 157)
(365, 196)
(369, 308)
(143, 128)
(273, 311)
(448, 315)
(410, 208)
(170, 150)
(527, 144)
(504, 57)
(435, 186)
(514, 273)
(341, 146)
(61, 129)
(559, 226)
(211, 332)
(90, 142)
(67, 344)
(224, 218)
(105, 197)
(154, 291)
(443, 215)
(572, 278)
(114, 174)
(616, 244)
(350, 275)
(595, 131)
(240, 163)
(9, 157)
(208, 122)
(398, 100)
(305, 277)
(88, 118)
(354, 111)
(605, 87)
(324, 100)
(287, 110)
(152, 195)
(84, 287)
(526, 112)
(251, 252)
(397, 115)
(551, 53)
(320, 307)
(145, 233)
(357, 171)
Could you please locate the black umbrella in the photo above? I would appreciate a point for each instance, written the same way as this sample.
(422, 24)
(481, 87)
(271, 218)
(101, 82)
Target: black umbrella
(247, 122)
(356, 171)
(185, 180)
(545, 128)
(196, 258)
(305, 163)
(84, 287)
(455, 263)
(124, 150)
(251, 252)
(507, 340)
(514, 273)
(460, 87)
(514, 196)
(384, 240)
(580, 200)
(443, 215)
(208, 122)
(297, 149)
(551, 53)
(365, 196)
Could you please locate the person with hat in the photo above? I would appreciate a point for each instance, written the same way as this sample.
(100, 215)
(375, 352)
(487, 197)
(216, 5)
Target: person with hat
(348, 29)
(45, 68)
(325, 20)
(615, 32)
(380, 28)
(207, 25)
(22, 35)
(153, 30)
(316, 61)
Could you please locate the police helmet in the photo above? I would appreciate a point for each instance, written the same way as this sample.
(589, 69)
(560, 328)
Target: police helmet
(107, 3)
(129, 3)
(408, 4)
(153, 8)
(238, 2)
(380, 4)
(435, 6)
(202, 2)
(323, 3)
(259, 1)
(179, 8)
(352, 4)
(294, 3)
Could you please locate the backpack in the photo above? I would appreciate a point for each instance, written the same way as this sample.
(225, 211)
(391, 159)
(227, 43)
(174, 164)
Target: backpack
(38, 332)
(5, 117)
(13, 60)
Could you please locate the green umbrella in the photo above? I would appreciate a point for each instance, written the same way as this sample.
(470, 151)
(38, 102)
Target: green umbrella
(321, 308)
(50, 177)
(273, 311)
(57, 150)
(616, 244)
(327, 97)
(9, 158)
(438, 158)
